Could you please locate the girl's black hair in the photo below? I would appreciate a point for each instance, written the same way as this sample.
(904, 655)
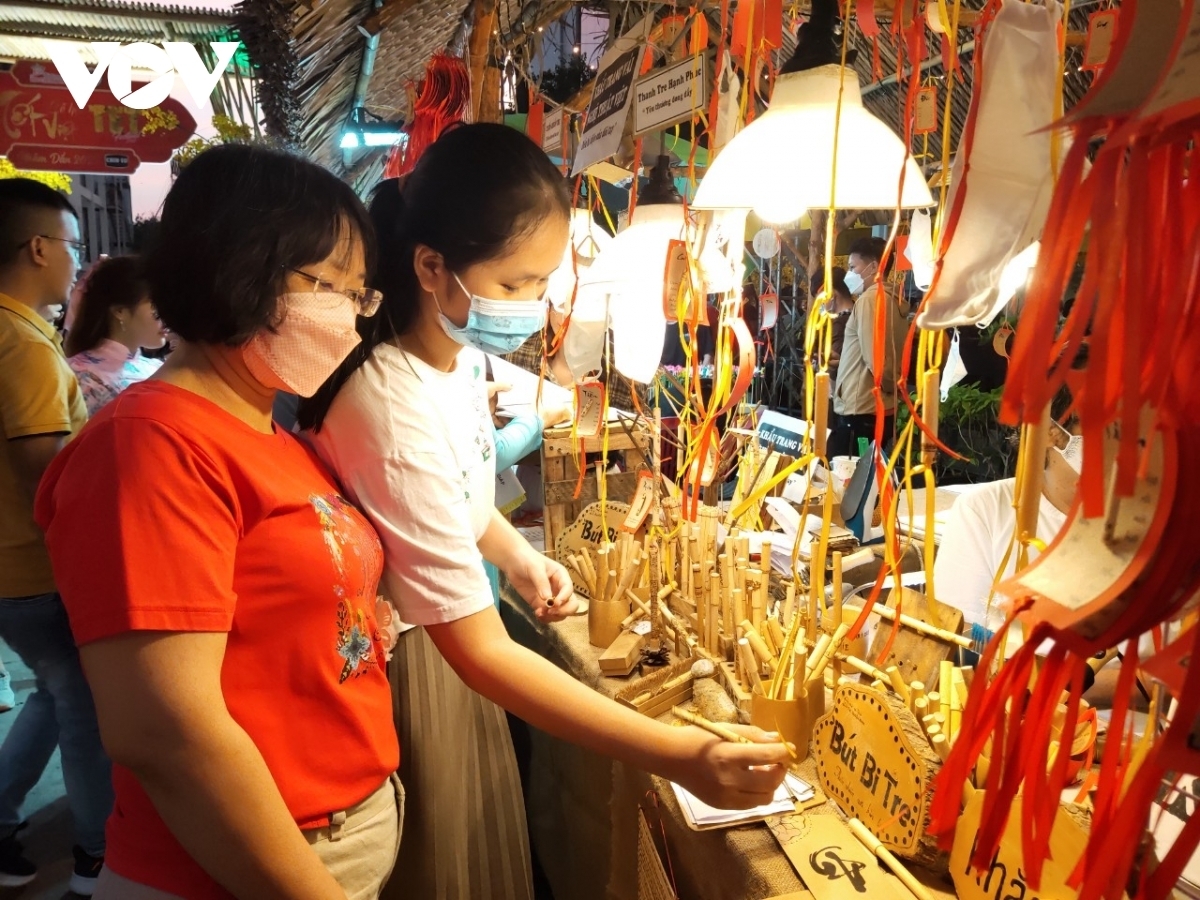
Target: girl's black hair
(475, 193)
(115, 283)
(233, 224)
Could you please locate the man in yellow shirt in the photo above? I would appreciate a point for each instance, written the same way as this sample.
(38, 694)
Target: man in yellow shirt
(41, 408)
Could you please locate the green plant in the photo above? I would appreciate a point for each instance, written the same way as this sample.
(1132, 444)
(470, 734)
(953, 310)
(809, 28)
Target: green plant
(56, 180)
(968, 425)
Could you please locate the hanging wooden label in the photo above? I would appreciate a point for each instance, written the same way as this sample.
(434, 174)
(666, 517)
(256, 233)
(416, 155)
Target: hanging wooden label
(589, 404)
(869, 768)
(639, 507)
(768, 305)
(1005, 877)
(1102, 29)
(831, 861)
(925, 114)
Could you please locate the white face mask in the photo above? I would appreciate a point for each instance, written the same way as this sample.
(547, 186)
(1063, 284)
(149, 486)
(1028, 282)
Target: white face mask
(854, 283)
(1073, 453)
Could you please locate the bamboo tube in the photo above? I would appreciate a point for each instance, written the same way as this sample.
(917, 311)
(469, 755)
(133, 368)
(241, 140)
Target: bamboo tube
(685, 568)
(750, 665)
(698, 600)
(589, 570)
(811, 624)
(627, 622)
(823, 659)
(837, 587)
(917, 625)
(721, 731)
(865, 667)
(764, 563)
(954, 720)
(777, 635)
(959, 680)
(627, 575)
(886, 856)
(879, 685)
(738, 606)
(714, 613)
(603, 571)
(727, 617)
(789, 604)
(769, 639)
(799, 669)
(754, 582)
(757, 644)
(933, 394)
(920, 709)
(917, 689)
(897, 682)
(945, 687)
(818, 651)
(940, 745)
(820, 413)
(933, 731)
(935, 701)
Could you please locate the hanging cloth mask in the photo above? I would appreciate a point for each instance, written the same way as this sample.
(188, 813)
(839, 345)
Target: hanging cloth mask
(1001, 181)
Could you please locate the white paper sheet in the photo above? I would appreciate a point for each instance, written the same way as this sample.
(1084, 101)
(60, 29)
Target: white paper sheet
(700, 815)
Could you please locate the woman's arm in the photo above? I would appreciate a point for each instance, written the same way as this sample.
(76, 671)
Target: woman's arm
(719, 773)
(159, 702)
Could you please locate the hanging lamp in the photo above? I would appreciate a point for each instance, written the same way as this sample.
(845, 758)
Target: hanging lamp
(781, 164)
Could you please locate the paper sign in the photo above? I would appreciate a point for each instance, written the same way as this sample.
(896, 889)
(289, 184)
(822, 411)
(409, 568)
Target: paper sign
(868, 767)
(925, 116)
(604, 122)
(680, 272)
(1102, 28)
(670, 95)
(639, 507)
(785, 432)
(831, 861)
(552, 129)
(594, 526)
(589, 400)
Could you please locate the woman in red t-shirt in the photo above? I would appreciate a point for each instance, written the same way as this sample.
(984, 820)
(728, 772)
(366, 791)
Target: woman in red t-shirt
(222, 591)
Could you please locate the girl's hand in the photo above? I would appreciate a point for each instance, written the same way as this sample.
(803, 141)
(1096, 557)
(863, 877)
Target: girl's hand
(726, 775)
(544, 585)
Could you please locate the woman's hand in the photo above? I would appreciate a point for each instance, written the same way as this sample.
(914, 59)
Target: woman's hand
(544, 584)
(726, 775)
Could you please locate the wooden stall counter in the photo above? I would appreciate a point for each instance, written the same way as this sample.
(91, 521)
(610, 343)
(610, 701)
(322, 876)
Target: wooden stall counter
(583, 808)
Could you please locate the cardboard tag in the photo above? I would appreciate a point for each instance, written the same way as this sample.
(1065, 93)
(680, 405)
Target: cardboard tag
(925, 115)
(680, 275)
(768, 305)
(639, 507)
(589, 400)
(868, 767)
(1102, 29)
(831, 861)
(1005, 877)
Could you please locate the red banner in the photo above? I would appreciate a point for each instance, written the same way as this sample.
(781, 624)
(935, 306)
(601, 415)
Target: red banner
(41, 127)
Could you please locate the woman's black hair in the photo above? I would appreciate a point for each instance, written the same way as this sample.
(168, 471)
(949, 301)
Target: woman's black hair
(233, 224)
(115, 283)
(477, 191)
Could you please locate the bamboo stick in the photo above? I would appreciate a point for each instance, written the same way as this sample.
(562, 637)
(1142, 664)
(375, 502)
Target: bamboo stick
(699, 601)
(897, 682)
(886, 856)
(721, 731)
(750, 665)
(769, 639)
(777, 635)
(754, 578)
(714, 613)
(886, 612)
(945, 687)
(865, 667)
(837, 587)
(818, 670)
(603, 570)
(789, 604)
(738, 605)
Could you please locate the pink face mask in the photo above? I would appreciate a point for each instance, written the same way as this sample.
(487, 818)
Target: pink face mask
(316, 334)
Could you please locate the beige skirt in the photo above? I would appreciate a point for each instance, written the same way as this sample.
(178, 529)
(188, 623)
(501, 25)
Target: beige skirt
(465, 836)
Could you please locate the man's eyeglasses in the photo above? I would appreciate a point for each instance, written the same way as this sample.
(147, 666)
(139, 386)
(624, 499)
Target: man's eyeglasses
(365, 300)
(77, 248)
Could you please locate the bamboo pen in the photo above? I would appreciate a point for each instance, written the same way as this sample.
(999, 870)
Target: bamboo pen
(727, 734)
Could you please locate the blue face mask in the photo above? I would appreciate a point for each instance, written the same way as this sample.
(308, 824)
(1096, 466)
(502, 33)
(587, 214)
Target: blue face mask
(496, 326)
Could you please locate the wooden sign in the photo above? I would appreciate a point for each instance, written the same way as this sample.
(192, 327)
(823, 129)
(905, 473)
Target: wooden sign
(831, 861)
(1005, 876)
(596, 524)
(868, 766)
(639, 507)
(917, 656)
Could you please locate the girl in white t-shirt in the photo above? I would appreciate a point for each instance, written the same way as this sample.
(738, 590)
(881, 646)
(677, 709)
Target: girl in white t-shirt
(467, 246)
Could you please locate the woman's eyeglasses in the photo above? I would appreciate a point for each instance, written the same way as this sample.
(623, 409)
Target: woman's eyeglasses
(366, 300)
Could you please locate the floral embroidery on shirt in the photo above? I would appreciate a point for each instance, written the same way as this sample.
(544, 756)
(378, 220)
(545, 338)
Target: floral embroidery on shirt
(359, 642)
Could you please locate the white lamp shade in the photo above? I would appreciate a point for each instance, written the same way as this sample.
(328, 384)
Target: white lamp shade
(638, 255)
(639, 332)
(781, 164)
(587, 240)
